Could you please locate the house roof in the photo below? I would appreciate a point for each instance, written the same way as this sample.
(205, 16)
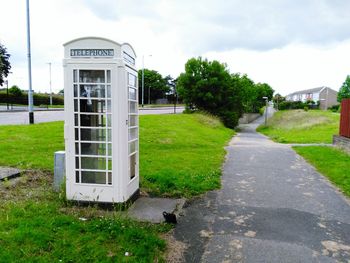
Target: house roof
(308, 91)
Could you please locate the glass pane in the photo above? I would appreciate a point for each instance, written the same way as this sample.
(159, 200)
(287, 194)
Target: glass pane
(92, 76)
(77, 177)
(76, 105)
(76, 148)
(75, 90)
(132, 134)
(92, 120)
(95, 106)
(132, 163)
(109, 120)
(132, 80)
(109, 134)
(109, 178)
(109, 164)
(132, 147)
(76, 162)
(76, 131)
(92, 91)
(109, 91)
(108, 76)
(109, 145)
(93, 148)
(94, 163)
(132, 107)
(76, 120)
(132, 120)
(93, 177)
(93, 134)
(132, 94)
(109, 106)
(75, 76)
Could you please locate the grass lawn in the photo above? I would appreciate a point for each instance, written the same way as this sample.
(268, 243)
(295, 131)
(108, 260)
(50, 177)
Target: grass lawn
(30, 146)
(36, 225)
(331, 162)
(299, 126)
(181, 155)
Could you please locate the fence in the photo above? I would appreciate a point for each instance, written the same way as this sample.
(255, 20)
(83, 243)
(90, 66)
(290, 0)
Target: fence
(344, 129)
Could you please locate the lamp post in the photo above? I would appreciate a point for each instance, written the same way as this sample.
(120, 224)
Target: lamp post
(266, 107)
(30, 91)
(50, 83)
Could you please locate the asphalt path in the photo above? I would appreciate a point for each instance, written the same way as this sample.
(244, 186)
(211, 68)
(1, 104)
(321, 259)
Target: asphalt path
(272, 207)
(22, 117)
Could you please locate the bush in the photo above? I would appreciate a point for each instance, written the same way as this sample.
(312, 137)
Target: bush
(208, 86)
(335, 108)
(38, 99)
(262, 110)
(294, 105)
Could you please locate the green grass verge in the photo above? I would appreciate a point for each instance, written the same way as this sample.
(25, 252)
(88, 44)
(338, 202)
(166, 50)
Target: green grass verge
(331, 162)
(299, 126)
(30, 146)
(181, 155)
(37, 226)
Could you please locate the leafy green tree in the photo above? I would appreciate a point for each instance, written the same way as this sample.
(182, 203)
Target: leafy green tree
(155, 86)
(5, 65)
(263, 90)
(344, 91)
(277, 99)
(208, 86)
(15, 91)
(252, 94)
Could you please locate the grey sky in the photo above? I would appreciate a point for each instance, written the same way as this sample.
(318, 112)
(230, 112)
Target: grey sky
(291, 45)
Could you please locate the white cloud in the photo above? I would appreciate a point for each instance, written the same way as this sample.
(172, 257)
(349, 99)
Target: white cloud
(288, 44)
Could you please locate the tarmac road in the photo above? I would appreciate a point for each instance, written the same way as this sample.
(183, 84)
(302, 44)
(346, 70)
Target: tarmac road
(22, 117)
(273, 207)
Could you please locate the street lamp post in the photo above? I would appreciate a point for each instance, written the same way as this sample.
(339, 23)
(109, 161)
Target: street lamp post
(30, 91)
(50, 83)
(266, 107)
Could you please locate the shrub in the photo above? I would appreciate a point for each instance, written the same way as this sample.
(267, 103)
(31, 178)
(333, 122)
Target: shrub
(38, 99)
(208, 86)
(262, 110)
(335, 108)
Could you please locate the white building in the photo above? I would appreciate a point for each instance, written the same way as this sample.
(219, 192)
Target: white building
(325, 95)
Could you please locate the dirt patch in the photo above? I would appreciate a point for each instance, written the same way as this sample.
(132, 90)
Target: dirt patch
(31, 184)
(175, 249)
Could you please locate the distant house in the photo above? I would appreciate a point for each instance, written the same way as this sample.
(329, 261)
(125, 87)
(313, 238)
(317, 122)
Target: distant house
(325, 95)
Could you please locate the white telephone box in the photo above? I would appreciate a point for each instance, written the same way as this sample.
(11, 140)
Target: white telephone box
(101, 120)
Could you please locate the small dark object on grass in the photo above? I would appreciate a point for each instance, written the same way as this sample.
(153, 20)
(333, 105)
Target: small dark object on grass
(169, 218)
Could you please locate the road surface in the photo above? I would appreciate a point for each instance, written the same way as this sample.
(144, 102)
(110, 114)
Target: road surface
(22, 117)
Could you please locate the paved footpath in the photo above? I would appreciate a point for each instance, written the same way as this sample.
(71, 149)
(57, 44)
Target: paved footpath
(273, 207)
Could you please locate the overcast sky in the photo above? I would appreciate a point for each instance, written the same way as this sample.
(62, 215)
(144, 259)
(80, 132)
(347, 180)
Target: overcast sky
(289, 44)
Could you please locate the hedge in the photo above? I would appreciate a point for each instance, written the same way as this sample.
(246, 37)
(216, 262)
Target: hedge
(38, 99)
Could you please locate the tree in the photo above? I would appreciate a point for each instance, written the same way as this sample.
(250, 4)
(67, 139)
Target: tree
(344, 91)
(5, 65)
(155, 86)
(252, 94)
(15, 91)
(208, 86)
(277, 99)
(263, 90)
